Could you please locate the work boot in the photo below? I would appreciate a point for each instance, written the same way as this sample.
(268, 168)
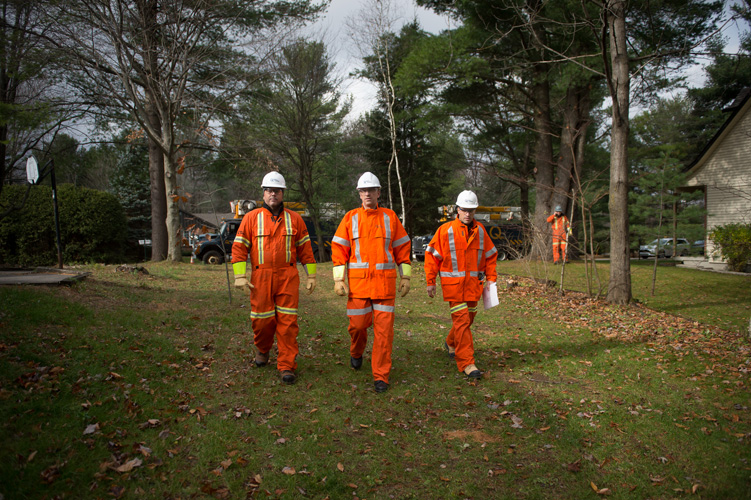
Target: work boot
(288, 377)
(472, 372)
(450, 350)
(355, 363)
(381, 386)
(262, 359)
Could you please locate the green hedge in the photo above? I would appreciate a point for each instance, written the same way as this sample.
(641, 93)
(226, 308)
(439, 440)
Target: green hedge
(734, 241)
(92, 226)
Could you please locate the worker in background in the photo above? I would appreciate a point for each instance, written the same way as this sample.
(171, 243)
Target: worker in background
(370, 247)
(561, 228)
(463, 255)
(275, 238)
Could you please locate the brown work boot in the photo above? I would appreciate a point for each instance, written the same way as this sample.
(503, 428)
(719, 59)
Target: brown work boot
(262, 359)
(472, 372)
(450, 350)
(288, 377)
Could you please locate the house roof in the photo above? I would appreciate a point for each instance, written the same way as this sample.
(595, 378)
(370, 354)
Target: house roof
(740, 103)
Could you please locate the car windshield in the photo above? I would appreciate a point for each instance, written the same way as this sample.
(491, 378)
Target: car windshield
(663, 242)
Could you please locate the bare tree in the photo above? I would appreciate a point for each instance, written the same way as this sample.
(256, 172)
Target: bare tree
(372, 31)
(162, 62)
(33, 104)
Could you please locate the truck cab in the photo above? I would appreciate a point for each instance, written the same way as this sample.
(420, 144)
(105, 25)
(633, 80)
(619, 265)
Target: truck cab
(218, 248)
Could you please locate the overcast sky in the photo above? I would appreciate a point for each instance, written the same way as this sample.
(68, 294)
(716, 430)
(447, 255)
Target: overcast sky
(332, 27)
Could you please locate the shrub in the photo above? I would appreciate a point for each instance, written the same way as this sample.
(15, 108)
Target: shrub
(734, 241)
(92, 226)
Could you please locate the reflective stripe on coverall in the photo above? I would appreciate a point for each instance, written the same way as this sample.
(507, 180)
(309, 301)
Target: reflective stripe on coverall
(458, 255)
(560, 226)
(379, 313)
(274, 245)
(373, 245)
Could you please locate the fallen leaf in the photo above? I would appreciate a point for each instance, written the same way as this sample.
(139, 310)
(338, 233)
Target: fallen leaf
(226, 463)
(340, 466)
(289, 471)
(129, 465)
(91, 429)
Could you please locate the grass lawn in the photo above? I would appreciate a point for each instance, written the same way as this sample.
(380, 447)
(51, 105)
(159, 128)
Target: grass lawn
(141, 386)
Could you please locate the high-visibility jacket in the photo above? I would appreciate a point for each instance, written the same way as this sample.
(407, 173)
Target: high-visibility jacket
(370, 244)
(458, 254)
(272, 245)
(560, 226)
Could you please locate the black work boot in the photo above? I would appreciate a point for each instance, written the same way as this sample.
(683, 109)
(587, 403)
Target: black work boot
(355, 363)
(288, 377)
(471, 371)
(381, 386)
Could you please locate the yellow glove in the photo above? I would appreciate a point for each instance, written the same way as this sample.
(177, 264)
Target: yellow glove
(311, 284)
(242, 282)
(339, 288)
(404, 286)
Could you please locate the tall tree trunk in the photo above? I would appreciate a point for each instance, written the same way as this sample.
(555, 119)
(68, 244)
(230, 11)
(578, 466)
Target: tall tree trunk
(159, 239)
(570, 156)
(543, 164)
(159, 236)
(619, 288)
(174, 233)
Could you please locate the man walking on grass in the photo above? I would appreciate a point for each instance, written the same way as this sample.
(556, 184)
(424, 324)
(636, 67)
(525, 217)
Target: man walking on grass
(275, 238)
(464, 256)
(369, 246)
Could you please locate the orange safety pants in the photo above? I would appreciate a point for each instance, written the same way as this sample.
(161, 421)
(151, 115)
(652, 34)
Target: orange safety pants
(273, 310)
(559, 249)
(460, 336)
(379, 313)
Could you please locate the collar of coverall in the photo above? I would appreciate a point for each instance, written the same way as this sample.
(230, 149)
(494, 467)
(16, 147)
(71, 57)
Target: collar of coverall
(376, 207)
(281, 209)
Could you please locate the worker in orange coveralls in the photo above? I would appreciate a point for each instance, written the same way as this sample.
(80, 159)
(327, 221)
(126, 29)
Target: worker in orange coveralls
(561, 228)
(275, 238)
(463, 255)
(370, 246)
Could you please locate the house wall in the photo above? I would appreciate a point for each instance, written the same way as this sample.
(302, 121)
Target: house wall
(726, 173)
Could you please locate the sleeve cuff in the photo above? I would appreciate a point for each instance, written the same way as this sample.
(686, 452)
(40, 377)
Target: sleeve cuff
(239, 268)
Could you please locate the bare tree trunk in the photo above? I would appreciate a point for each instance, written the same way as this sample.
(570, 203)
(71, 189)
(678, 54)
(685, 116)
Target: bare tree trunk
(159, 239)
(174, 252)
(619, 288)
(543, 165)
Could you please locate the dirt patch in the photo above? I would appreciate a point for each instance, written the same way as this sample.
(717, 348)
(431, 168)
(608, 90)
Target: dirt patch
(476, 436)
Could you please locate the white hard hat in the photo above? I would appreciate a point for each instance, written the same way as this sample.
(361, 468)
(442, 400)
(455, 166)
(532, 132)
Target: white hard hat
(558, 208)
(368, 180)
(273, 180)
(467, 199)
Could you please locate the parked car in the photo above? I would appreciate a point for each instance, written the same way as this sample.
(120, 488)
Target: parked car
(663, 247)
(697, 248)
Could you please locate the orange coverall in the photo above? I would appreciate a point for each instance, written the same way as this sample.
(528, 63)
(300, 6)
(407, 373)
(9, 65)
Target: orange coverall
(560, 227)
(371, 243)
(458, 254)
(274, 244)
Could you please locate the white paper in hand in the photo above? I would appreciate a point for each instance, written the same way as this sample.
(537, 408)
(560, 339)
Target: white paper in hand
(490, 295)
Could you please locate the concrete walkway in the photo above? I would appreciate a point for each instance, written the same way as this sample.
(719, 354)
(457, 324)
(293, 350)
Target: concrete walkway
(40, 276)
